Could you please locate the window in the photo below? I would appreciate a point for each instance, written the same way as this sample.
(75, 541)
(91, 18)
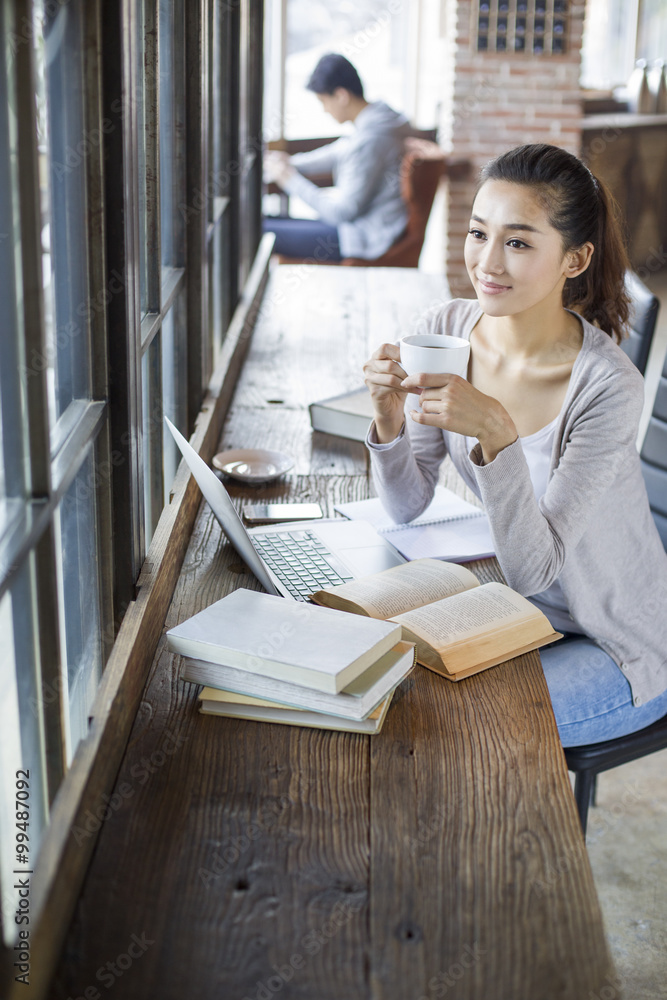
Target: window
(160, 42)
(652, 31)
(129, 218)
(616, 34)
(375, 35)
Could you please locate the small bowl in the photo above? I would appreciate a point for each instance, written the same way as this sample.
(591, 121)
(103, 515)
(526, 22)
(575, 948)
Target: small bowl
(253, 465)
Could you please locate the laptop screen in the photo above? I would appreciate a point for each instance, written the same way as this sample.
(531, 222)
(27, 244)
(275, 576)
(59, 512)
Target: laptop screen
(223, 508)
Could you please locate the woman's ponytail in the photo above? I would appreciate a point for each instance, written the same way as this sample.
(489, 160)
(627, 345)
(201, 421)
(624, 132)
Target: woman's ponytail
(582, 209)
(598, 294)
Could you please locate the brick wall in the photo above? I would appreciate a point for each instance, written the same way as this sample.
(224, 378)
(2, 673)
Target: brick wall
(495, 101)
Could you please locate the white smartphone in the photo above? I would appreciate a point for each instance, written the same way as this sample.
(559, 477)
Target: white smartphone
(268, 513)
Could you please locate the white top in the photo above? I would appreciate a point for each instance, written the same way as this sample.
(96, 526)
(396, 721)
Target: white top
(593, 529)
(537, 449)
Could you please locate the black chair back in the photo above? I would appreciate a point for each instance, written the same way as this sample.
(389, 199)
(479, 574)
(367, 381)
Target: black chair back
(654, 457)
(643, 315)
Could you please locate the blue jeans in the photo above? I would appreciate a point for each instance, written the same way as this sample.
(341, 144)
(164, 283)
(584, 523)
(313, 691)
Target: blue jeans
(591, 697)
(303, 238)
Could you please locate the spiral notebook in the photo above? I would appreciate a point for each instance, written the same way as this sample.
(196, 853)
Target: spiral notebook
(450, 528)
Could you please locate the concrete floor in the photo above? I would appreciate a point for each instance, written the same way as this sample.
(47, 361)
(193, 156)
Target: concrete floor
(627, 846)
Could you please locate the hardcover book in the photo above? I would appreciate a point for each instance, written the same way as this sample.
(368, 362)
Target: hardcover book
(215, 702)
(357, 701)
(348, 415)
(316, 647)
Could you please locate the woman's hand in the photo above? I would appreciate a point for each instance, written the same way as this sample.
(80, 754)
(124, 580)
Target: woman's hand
(452, 403)
(383, 376)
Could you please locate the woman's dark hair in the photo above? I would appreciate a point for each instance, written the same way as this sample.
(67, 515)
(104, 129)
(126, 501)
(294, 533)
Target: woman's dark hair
(581, 208)
(332, 71)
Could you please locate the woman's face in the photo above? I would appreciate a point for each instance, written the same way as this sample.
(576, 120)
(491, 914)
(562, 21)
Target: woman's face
(513, 254)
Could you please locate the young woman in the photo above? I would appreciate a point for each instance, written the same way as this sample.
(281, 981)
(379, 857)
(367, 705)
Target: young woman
(543, 431)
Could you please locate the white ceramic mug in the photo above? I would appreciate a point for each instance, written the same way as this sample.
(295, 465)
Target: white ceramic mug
(435, 354)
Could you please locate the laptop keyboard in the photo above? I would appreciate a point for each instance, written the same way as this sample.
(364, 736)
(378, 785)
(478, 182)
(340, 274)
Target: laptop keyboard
(301, 561)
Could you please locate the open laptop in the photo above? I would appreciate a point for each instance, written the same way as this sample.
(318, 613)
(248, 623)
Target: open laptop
(299, 557)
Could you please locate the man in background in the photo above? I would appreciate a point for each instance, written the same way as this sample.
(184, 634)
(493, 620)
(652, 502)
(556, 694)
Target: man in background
(363, 213)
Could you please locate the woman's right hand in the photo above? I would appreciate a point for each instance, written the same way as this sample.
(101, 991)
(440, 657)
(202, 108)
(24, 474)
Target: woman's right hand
(383, 376)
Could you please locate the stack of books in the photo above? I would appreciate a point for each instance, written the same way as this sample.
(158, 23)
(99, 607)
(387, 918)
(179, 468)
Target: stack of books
(266, 658)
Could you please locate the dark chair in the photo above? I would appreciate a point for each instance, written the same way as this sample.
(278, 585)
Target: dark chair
(588, 761)
(643, 315)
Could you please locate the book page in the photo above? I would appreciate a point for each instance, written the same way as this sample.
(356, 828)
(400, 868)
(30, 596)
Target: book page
(467, 615)
(384, 595)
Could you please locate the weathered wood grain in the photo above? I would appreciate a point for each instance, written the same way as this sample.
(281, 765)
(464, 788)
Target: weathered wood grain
(65, 853)
(442, 855)
(287, 808)
(479, 875)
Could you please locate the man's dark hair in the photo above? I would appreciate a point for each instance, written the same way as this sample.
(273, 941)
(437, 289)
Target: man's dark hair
(332, 71)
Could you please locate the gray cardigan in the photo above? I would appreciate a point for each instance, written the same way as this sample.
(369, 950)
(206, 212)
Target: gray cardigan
(365, 203)
(592, 530)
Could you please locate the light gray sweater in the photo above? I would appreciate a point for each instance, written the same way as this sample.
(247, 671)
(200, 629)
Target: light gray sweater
(365, 203)
(592, 530)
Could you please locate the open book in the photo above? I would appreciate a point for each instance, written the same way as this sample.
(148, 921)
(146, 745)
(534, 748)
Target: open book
(459, 626)
(450, 528)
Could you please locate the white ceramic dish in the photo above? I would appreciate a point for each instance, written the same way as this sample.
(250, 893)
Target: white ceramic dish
(253, 465)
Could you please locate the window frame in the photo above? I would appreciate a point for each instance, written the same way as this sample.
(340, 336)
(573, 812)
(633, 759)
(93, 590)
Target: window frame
(137, 581)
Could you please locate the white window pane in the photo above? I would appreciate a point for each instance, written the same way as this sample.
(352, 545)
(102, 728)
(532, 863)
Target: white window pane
(371, 36)
(79, 596)
(608, 50)
(652, 40)
(64, 146)
(13, 447)
(172, 132)
(140, 91)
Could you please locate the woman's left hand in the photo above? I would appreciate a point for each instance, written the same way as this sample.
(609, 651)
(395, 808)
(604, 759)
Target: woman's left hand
(452, 403)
